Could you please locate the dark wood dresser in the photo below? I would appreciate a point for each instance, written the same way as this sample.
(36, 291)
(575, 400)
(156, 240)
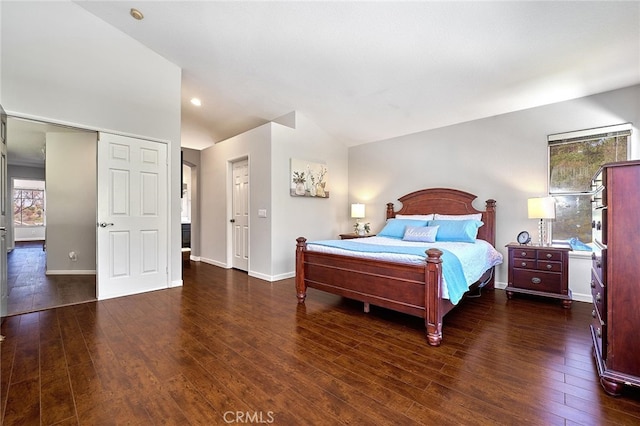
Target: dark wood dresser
(615, 281)
(539, 271)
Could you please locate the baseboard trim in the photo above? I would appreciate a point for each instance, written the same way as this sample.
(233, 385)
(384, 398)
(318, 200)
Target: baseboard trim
(70, 272)
(214, 263)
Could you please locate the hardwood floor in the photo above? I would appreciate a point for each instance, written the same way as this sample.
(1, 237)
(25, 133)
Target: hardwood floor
(31, 290)
(227, 348)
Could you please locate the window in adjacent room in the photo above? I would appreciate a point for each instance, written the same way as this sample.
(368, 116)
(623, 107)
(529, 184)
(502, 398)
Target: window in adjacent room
(28, 203)
(574, 158)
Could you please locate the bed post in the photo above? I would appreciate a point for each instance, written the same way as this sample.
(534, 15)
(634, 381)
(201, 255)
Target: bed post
(390, 212)
(490, 223)
(432, 296)
(301, 287)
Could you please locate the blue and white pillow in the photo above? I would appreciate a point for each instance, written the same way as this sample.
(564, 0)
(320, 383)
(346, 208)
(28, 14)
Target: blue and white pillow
(457, 230)
(395, 227)
(426, 234)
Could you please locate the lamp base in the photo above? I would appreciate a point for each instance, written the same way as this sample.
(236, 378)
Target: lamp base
(544, 236)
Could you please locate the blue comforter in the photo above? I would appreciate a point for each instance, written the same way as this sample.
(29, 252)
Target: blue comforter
(451, 266)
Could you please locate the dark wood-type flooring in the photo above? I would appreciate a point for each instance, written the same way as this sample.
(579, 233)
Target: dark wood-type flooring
(31, 290)
(227, 348)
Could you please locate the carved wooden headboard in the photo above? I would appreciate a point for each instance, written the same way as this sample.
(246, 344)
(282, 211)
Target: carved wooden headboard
(448, 201)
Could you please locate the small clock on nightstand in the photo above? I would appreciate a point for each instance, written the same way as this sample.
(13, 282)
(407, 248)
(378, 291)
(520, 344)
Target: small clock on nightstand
(524, 238)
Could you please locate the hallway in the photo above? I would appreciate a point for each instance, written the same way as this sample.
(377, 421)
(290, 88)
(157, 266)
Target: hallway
(31, 290)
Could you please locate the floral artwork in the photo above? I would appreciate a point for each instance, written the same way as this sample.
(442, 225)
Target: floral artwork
(308, 179)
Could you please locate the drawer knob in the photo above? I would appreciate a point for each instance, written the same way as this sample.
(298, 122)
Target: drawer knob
(536, 280)
(598, 297)
(523, 264)
(549, 266)
(549, 255)
(593, 313)
(599, 333)
(523, 254)
(593, 284)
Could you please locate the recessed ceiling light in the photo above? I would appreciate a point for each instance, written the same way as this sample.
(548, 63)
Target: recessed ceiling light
(136, 14)
(196, 101)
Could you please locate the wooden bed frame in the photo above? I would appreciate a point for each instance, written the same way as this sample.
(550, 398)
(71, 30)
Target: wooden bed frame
(411, 289)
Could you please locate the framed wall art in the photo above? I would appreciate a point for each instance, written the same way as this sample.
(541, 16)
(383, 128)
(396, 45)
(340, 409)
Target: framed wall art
(308, 179)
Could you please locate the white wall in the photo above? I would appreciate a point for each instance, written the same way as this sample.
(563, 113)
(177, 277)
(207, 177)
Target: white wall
(312, 218)
(502, 157)
(71, 202)
(62, 64)
(272, 239)
(215, 213)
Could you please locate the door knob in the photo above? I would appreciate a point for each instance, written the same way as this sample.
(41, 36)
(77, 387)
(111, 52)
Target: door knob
(105, 224)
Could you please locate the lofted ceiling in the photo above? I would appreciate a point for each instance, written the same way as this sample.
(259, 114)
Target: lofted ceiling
(368, 71)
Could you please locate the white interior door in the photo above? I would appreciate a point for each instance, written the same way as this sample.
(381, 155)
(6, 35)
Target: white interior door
(132, 216)
(240, 220)
(4, 203)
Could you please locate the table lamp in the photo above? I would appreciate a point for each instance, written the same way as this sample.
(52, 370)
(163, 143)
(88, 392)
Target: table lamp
(357, 212)
(542, 208)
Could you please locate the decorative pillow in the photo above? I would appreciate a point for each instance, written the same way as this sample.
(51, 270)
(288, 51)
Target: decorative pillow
(395, 227)
(457, 230)
(472, 216)
(415, 216)
(425, 234)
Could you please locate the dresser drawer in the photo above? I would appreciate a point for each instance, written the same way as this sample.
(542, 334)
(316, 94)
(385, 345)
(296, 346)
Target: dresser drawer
(599, 295)
(599, 264)
(537, 280)
(599, 331)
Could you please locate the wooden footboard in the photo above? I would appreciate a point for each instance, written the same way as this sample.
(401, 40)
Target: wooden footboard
(411, 289)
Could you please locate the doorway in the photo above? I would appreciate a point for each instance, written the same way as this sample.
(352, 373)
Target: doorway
(240, 213)
(51, 263)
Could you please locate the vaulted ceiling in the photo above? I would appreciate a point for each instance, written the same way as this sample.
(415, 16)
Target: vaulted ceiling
(368, 71)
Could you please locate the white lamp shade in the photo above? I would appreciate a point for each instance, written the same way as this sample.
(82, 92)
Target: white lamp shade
(357, 211)
(542, 208)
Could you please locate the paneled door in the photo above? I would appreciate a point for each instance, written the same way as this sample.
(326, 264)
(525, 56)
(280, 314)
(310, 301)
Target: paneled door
(240, 220)
(132, 220)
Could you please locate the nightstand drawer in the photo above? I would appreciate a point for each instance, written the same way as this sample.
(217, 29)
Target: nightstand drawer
(537, 280)
(524, 253)
(524, 263)
(549, 266)
(550, 255)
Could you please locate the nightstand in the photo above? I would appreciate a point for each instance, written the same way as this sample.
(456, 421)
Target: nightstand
(353, 235)
(539, 271)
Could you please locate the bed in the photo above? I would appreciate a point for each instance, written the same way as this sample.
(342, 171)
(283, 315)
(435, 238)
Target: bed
(412, 288)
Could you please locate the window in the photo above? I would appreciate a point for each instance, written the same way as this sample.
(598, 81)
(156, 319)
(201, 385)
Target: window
(573, 160)
(28, 203)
